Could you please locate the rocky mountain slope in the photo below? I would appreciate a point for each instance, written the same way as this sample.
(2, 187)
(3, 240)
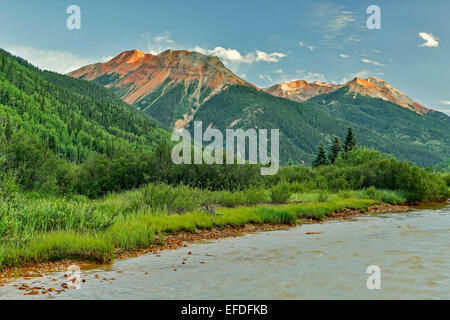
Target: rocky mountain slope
(179, 87)
(301, 90)
(147, 80)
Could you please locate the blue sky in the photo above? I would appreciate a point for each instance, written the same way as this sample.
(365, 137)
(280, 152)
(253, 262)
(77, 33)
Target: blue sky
(264, 42)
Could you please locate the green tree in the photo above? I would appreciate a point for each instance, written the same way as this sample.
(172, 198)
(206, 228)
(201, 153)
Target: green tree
(350, 141)
(8, 129)
(335, 149)
(321, 158)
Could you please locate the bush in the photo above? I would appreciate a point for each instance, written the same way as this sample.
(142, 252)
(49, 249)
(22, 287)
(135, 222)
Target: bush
(228, 198)
(323, 196)
(178, 199)
(255, 195)
(446, 178)
(281, 193)
(371, 192)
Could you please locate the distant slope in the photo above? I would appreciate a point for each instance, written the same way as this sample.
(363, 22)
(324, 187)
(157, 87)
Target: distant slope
(304, 126)
(301, 90)
(430, 131)
(74, 118)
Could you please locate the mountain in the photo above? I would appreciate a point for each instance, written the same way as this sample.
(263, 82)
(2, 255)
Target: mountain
(301, 90)
(179, 87)
(423, 139)
(170, 86)
(74, 118)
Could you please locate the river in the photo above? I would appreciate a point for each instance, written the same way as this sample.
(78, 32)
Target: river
(412, 251)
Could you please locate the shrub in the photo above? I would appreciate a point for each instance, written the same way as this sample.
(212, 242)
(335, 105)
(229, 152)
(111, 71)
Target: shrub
(178, 199)
(447, 179)
(255, 195)
(228, 198)
(323, 196)
(281, 193)
(371, 192)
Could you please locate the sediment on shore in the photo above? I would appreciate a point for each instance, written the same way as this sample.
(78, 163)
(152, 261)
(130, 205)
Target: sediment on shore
(183, 239)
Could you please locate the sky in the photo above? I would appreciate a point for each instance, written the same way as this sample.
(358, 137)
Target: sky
(264, 42)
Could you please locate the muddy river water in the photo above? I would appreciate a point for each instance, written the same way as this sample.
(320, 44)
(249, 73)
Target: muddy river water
(315, 261)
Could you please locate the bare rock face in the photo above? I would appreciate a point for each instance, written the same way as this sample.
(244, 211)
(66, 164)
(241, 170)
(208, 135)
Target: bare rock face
(301, 90)
(135, 74)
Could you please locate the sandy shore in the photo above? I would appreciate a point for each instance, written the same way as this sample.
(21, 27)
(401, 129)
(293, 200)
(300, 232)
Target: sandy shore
(176, 241)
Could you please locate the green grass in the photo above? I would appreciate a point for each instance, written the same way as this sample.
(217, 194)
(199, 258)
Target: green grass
(128, 233)
(37, 229)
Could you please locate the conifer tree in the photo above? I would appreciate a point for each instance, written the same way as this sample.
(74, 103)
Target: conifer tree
(321, 158)
(335, 149)
(8, 129)
(350, 141)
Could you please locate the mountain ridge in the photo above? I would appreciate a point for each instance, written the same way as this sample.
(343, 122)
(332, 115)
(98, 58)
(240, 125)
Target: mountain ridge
(301, 90)
(134, 75)
(179, 87)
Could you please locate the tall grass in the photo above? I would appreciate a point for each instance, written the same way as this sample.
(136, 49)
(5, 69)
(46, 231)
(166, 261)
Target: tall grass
(128, 233)
(281, 193)
(37, 229)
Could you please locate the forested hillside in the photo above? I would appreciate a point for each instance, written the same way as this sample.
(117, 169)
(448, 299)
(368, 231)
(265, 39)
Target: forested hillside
(304, 125)
(55, 129)
(429, 132)
(75, 118)
(178, 87)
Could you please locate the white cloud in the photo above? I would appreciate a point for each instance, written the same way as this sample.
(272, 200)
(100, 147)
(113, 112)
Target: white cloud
(373, 62)
(311, 76)
(353, 37)
(310, 47)
(54, 60)
(343, 55)
(265, 77)
(360, 74)
(233, 57)
(230, 57)
(334, 19)
(227, 55)
(336, 24)
(430, 40)
(269, 57)
(447, 102)
(159, 43)
(280, 71)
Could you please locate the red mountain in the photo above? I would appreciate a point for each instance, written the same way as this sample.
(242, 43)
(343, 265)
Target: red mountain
(301, 90)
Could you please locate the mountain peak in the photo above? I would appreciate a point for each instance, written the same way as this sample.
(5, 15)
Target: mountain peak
(143, 79)
(377, 88)
(301, 90)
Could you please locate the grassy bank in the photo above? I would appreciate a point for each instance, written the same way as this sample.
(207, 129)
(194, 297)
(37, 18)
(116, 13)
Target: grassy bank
(48, 229)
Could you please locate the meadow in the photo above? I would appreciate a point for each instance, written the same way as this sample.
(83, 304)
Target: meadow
(37, 225)
(39, 229)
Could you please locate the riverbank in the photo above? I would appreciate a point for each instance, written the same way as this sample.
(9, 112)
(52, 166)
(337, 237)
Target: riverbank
(181, 238)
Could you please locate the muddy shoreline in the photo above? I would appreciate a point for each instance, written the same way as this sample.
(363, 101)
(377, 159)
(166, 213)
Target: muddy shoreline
(183, 239)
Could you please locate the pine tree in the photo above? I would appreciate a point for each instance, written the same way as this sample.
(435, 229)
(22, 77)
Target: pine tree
(335, 149)
(52, 142)
(8, 129)
(321, 158)
(350, 141)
